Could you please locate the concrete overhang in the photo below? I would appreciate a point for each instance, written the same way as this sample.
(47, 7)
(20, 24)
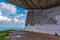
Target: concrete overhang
(35, 4)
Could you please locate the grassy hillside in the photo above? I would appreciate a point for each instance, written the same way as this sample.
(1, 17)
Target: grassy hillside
(3, 34)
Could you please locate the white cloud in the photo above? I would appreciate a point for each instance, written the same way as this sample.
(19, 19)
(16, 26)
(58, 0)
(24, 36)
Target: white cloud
(0, 12)
(6, 13)
(16, 20)
(20, 21)
(21, 15)
(5, 18)
(7, 8)
(2, 18)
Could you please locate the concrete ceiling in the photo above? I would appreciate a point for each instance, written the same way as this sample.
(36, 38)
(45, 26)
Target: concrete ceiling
(35, 4)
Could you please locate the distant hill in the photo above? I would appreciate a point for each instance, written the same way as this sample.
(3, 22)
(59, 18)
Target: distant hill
(7, 28)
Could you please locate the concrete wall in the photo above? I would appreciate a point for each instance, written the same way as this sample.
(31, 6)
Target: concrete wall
(44, 26)
(49, 29)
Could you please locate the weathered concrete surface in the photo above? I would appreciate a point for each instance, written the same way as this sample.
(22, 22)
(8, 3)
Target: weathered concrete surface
(35, 4)
(45, 21)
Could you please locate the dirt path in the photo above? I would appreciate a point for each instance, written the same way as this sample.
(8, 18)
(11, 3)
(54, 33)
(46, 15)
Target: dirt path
(31, 36)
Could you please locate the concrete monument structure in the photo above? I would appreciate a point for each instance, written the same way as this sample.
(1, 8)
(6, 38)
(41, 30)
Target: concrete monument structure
(41, 15)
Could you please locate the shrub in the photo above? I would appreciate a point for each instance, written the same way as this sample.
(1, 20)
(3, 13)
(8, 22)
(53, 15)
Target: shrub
(56, 34)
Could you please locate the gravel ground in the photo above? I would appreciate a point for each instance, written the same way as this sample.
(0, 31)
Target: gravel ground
(31, 36)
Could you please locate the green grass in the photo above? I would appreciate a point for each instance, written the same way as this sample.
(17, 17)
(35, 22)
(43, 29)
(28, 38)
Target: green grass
(4, 34)
(2, 37)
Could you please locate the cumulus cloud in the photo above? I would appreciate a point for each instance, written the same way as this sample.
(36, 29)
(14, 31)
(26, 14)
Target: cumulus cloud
(23, 21)
(21, 15)
(7, 8)
(9, 16)
(20, 21)
(0, 12)
(4, 18)
(16, 20)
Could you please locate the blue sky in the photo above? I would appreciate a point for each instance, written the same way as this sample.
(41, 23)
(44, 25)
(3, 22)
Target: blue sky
(11, 15)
